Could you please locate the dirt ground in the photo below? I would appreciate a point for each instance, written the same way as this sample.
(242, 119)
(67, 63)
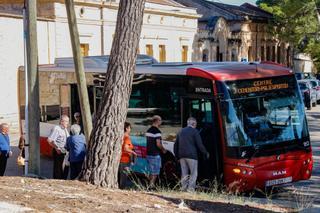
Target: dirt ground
(75, 196)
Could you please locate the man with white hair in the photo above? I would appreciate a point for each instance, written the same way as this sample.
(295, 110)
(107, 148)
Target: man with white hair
(5, 151)
(186, 148)
(57, 139)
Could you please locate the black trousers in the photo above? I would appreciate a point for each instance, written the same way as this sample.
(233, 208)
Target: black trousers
(3, 163)
(123, 175)
(58, 171)
(75, 169)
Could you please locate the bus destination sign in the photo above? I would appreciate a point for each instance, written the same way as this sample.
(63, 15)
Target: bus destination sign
(261, 86)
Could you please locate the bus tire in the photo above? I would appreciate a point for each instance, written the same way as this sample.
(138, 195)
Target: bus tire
(308, 105)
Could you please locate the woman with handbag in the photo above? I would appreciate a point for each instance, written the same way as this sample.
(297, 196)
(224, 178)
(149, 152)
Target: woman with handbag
(21, 146)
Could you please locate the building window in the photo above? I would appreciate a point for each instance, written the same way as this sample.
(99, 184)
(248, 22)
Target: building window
(250, 58)
(219, 55)
(149, 50)
(161, 20)
(82, 10)
(84, 49)
(162, 53)
(274, 53)
(288, 56)
(279, 54)
(205, 55)
(268, 53)
(234, 55)
(184, 53)
(263, 57)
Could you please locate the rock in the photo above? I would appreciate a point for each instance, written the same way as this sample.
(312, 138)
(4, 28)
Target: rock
(182, 205)
(157, 206)
(137, 206)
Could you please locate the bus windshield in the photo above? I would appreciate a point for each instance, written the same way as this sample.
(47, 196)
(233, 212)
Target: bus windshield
(262, 111)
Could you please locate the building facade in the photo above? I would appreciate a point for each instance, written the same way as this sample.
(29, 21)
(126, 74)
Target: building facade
(167, 34)
(236, 33)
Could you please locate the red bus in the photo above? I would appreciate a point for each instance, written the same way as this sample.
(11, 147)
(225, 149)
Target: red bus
(250, 115)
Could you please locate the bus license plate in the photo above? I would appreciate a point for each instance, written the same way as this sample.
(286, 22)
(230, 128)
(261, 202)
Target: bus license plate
(278, 181)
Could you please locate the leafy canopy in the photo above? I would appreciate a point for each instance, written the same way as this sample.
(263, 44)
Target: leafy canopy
(297, 22)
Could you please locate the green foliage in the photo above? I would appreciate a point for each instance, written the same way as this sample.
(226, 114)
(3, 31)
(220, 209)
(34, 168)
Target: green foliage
(296, 21)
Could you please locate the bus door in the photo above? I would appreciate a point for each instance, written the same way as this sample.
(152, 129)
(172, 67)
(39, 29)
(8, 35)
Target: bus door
(202, 109)
(75, 101)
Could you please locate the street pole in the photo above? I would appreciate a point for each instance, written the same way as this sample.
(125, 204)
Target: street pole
(25, 129)
(33, 89)
(79, 68)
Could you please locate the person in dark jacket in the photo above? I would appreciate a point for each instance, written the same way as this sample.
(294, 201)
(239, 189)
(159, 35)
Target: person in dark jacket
(186, 148)
(76, 145)
(154, 148)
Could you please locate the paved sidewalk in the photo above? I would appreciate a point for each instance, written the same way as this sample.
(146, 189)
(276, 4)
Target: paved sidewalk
(13, 169)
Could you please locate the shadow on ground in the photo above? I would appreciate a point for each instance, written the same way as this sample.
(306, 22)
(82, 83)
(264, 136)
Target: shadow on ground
(211, 206)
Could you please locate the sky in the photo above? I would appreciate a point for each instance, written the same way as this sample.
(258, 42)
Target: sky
(237, 2)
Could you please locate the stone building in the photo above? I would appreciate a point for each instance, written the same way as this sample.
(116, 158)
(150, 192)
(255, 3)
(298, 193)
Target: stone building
(235, 33)
(167, 34)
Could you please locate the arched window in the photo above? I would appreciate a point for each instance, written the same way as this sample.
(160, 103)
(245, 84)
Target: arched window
(234, 56)
(205, 55)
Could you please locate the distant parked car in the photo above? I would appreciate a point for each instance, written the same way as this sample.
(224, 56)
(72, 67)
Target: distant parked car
(299, 75)
(316, 86)
(308, 93)
(309, 75)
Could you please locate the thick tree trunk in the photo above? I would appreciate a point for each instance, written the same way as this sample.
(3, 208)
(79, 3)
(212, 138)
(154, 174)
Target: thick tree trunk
(102, 160)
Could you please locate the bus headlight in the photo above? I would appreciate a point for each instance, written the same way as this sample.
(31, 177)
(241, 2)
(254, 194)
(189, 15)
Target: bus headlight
(236, 170)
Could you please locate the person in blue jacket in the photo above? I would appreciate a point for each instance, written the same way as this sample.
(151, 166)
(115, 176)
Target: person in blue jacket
(5, 151)
(76, 145)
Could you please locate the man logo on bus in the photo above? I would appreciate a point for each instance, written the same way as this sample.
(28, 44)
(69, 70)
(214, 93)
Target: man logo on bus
(277, 173)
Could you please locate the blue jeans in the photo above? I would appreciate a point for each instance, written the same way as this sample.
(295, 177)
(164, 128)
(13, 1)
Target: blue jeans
(154, 164)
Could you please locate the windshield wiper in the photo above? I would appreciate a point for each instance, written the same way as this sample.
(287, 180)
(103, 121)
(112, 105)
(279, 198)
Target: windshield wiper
(256, 151)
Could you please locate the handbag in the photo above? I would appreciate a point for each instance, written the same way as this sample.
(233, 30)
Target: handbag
(20, 160)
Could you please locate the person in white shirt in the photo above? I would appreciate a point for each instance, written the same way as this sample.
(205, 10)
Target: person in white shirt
(57, 139)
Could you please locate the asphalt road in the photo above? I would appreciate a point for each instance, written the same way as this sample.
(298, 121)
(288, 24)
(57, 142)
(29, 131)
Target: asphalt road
(305, 195)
